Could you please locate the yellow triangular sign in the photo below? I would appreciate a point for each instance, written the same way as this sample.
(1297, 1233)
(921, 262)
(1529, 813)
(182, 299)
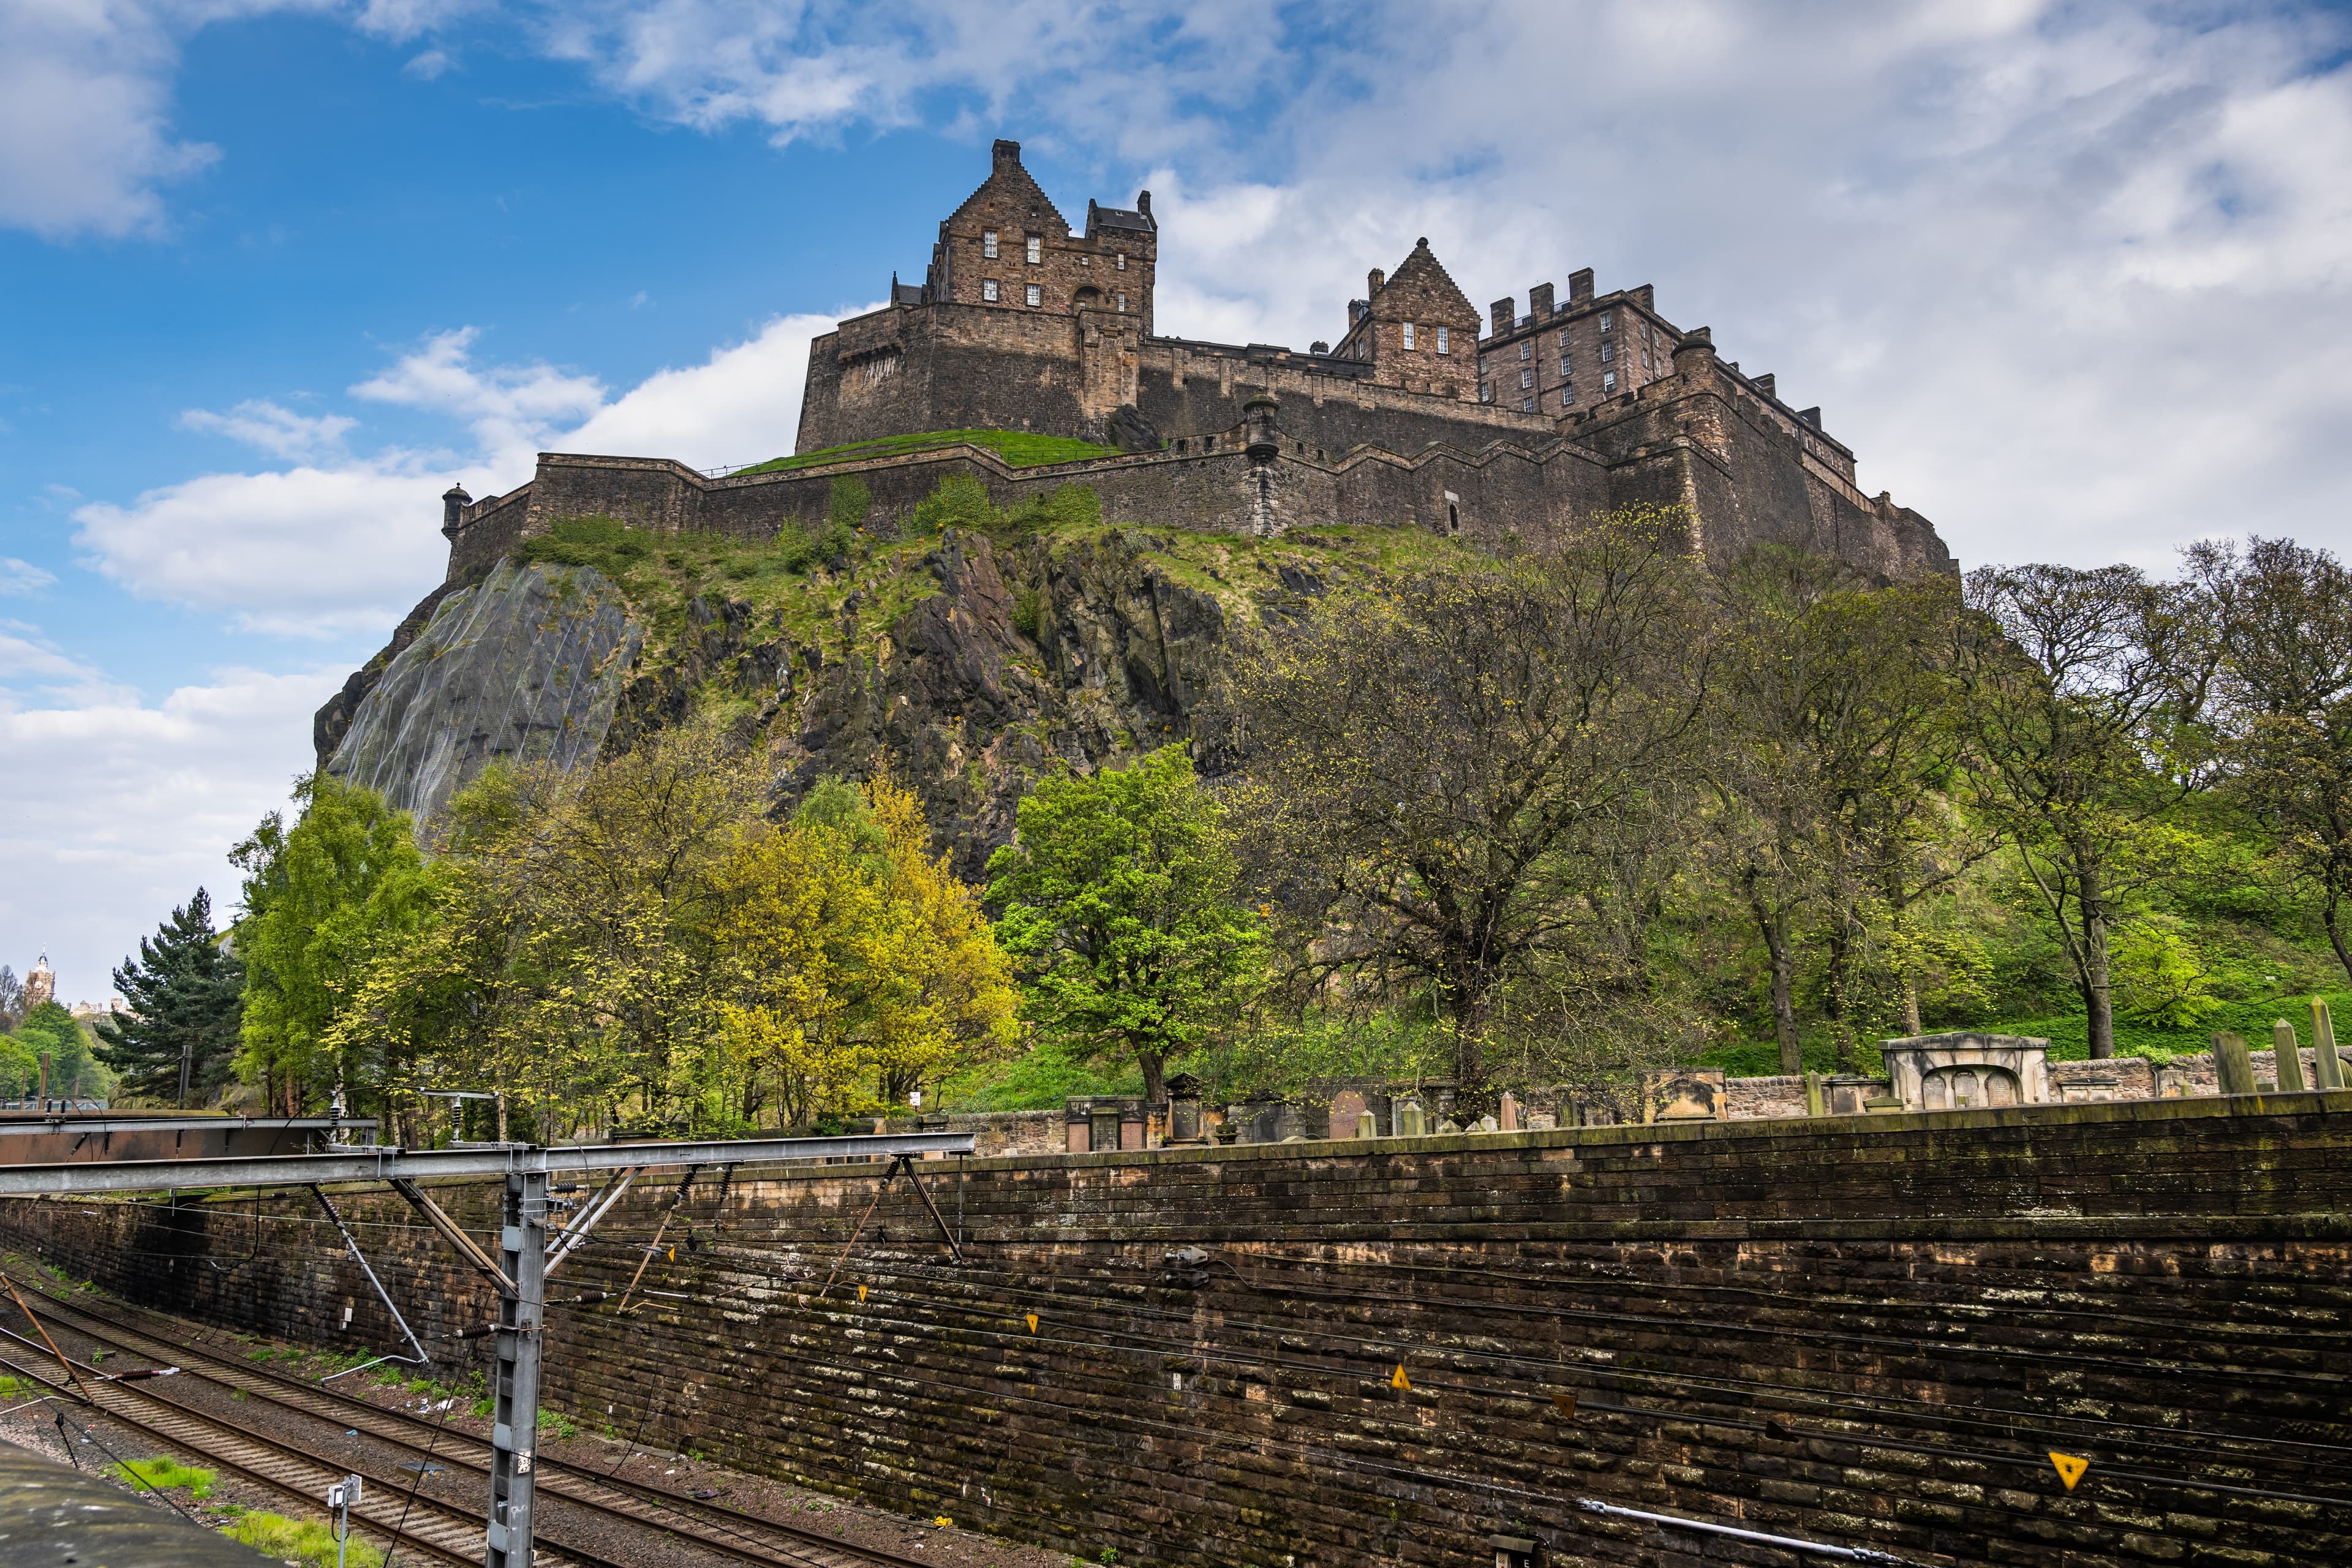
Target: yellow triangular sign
(1400, 1380)
(1033, 1322)
(2070, 1468)
(1566, 1405)
(861, 1292)
(673, 1255)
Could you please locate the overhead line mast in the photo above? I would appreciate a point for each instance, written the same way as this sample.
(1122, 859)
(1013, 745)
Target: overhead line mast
(519, 1275)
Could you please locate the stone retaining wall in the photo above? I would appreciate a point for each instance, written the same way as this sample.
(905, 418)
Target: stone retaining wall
(1862, 1331)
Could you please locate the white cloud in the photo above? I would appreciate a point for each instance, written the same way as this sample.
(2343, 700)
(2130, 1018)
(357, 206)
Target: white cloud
(86, 137)
(306, 552)
(344, 544)
(280, 432)
(429, 65)
(741, 406)
(22, 579)
(119, 809)
(30, 663)
(510, 408)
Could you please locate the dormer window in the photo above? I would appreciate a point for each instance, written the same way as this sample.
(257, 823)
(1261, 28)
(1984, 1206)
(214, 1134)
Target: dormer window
(988, 243)
(1036, 250)
(988, 289)
(1408, 334)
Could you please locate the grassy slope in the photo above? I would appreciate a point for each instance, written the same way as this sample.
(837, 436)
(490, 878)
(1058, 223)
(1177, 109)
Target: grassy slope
(1018, 448)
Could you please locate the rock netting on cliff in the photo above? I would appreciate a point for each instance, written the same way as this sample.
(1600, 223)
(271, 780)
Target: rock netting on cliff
(527, 665)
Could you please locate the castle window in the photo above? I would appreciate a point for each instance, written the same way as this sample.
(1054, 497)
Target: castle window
(1527, 405)
(1528, 349)
(1608, 383)
(1608, 352)
(988, 243)
(1408, 334)
(988, 289)
(1486, 392)
(1646, 359)
(1122, 305)
(1563, 367)
(1122, 263)
(1567, 395)
(1036, 294)
(1605, 316)
(1527, 379)
(1036, 250)
(1444, 341)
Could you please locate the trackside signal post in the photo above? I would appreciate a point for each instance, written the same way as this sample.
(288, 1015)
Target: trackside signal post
(518, 1272)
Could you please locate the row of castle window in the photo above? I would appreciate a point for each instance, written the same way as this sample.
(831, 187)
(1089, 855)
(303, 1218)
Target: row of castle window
(1444, 338)
(1033, 293)
(1036, 250)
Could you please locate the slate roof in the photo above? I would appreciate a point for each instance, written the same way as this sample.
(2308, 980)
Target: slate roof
(1118, 217)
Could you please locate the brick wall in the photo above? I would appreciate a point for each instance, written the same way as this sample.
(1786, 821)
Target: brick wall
(1863, 1330)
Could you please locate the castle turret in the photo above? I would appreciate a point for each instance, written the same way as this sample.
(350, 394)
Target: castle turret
(454, 501)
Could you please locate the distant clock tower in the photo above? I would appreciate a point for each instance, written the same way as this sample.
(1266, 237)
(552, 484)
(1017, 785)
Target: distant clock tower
(41, 985)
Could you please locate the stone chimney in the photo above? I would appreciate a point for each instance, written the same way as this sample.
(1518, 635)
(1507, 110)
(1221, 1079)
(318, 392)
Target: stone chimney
(454, 501)
(1143, 206)
(1004, 155)
(1539, 300)
(1372, 282)
(1499, 313)
(1580, 286)
(1765, 383)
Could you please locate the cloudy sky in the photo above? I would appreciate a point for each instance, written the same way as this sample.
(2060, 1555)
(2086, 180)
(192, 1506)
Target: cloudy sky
(2071, 278)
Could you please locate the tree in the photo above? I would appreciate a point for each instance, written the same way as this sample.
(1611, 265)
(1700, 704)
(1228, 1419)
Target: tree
(2086, 688)
(12, 999)
(321, 898)
(179, 1038)
(1118, 893)
(1836, 734)
(1440, 772)
(50, 1031)
(859, 966)
(2287, 697)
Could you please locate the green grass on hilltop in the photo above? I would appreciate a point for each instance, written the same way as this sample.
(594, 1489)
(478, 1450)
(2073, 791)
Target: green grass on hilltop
(1018, 448)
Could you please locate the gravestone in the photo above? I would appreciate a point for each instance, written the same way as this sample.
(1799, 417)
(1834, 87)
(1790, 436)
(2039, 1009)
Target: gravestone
(2326, 1066)
(2289, 1054)
(1366, 1125)
(2232, 1065)
(1684, 1094)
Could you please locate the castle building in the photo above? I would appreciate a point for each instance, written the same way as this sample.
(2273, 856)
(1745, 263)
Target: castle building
(1516, 427)
(41, 984)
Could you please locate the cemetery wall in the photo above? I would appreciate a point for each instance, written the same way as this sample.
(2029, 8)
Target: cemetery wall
(1868, 1330)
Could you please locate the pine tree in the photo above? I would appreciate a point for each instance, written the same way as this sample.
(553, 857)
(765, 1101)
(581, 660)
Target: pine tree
(179, 1042)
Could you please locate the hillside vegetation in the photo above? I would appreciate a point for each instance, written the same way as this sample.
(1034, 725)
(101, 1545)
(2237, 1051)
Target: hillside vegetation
(1539, 820)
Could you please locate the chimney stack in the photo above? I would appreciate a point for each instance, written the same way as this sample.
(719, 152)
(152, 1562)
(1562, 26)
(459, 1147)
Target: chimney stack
(1005, 155)
(1580, 286)
(1500, 313)
(1539, 300)
(1373, 279)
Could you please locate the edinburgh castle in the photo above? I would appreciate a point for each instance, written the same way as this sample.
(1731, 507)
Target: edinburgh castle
(1511, 428)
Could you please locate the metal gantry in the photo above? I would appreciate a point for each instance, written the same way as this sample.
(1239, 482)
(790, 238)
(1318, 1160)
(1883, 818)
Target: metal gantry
(519, 1272)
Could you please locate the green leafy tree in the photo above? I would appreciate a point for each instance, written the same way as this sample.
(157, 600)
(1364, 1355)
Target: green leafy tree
(1446, 774)
(178, 1041)
(321, 898)
(48, 1030)
(1119, 911)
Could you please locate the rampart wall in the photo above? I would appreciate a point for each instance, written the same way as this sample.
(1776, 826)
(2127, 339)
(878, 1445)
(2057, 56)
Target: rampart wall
(1862, 1331)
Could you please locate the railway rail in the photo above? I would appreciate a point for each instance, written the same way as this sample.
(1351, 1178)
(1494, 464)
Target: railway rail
(732, 1533)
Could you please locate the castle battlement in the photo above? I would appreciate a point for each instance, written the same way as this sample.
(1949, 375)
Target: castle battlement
(1511, 426)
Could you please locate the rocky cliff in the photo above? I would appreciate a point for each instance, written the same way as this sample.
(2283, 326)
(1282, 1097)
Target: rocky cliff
(962, 663)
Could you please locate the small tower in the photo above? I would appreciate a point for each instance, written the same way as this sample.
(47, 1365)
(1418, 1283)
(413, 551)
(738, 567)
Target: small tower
(41, 984)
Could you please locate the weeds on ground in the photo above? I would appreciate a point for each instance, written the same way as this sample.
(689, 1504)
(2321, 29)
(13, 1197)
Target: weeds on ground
(164, 1475)
(555, 1421)
(300, 1540)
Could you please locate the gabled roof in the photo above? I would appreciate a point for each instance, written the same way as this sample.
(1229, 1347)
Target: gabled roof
(1013, 185)
(1422, 269)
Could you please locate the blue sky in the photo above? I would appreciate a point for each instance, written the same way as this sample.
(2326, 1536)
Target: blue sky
(2073, 280)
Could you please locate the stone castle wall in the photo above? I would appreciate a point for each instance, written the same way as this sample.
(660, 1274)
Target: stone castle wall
(1868, 1331)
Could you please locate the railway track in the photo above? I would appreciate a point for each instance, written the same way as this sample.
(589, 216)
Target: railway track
(637, 1505)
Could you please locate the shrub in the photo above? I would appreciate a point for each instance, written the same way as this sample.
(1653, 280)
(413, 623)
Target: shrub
(164, 1475)
(300, 1540)
(606, 544)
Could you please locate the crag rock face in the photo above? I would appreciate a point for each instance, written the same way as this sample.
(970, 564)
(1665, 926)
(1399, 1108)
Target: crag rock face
(1005, 664)
(527, 664)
